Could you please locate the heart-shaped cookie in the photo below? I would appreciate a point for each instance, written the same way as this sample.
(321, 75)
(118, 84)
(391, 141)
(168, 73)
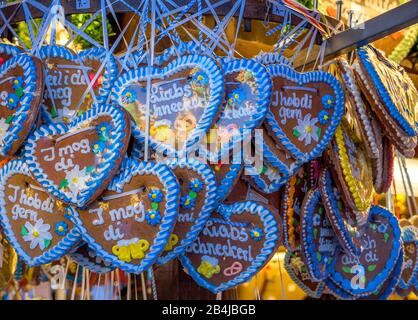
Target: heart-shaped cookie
(306, 109)
(410, 248)
(318, 241)
(184, 99)
(235, 244)
(247, 97)
(74, 82)
(267, 179)
(394, 94)
(296, 269)
(198, 200)
(338, 214)
(21, 87)
(88, 258)
(75, 162)
(363, 275)
(131, 223)
(34, 223)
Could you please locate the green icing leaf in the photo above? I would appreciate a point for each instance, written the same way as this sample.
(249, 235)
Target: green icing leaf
(63, 184)
(24, 231)
(192, 194)
(318, 132)
(154, 206)
(315, 233)
(54, 113)
(19, 92)
(372, 267)
(9, 119)
(47, 243)
(347, 269)
(318, 256)
(296, 133)
(386, 237)
(90, 169)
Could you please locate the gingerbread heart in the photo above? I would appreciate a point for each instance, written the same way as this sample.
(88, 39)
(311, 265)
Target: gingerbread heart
(198, 200)
(34, 223)
(338, 215)
(306, 109)
(247, 97)
(363, 275)
(21, 87)
(318, 241)
(75, 162)
(267, 179)
(410, 248)
(88, 258)
(74, 82)
(184, 99)
(391, 92)
(226, 176)
(132, 222)
(296, 269)
(237, 241)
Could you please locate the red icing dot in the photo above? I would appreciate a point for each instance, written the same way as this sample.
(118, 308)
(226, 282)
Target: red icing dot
(1, 61)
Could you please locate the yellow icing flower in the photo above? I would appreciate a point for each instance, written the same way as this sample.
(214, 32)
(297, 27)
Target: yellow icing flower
(139, 248)
(122, 252)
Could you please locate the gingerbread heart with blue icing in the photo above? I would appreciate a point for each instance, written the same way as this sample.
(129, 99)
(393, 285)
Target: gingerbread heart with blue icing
(318, 242)
(236, 242)
(363, 275)
(74, 82)
(75, 162)
(21, 87)
(132, 222)
(410, 248)
(34, 223)
(247, 97)
(198, 200)
(183, 99)
(305, 110)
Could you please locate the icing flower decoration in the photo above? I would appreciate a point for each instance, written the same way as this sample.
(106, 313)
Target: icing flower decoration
(153, 217)
(382, 228)
(200, 78)
(316, 220)
(37, 234)
(323, 117)
(12, 101)
(128, 96)
(256, 234)
(196, 185)
(104, 130)
(4, 126)
(307, 130)
(187, 202)
(75, 180)
(156, 195)
(17, 82)
(98, 146)
(328, 101)
(61, 228)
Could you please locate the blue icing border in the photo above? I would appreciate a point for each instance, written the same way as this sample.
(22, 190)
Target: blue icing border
(262, 97)
(129, 169)
(374, 284)
(96, 54)
(262, 185)
(225, 187)
(330, 203)
(208, 65)
(18, 166)
(314, 294)
(271, 229)
(311, 199)
(85, 262)
(112, 154)
(21, 113)
(364, 57)
(205, 172)
(288, 73)
(9, 49)
(410, 234)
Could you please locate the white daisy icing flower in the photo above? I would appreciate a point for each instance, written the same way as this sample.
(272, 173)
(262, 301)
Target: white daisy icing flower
(37, 234)
(306, 130)
(76, 181)
(4, 126)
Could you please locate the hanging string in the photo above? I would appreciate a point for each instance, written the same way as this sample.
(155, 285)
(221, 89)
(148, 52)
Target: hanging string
(281, 278)
(153, 284)
(128, 289)
(404, 187)
(75, 283)
(118, 284)
(144, 287)
(136, 288)
(409, 184)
